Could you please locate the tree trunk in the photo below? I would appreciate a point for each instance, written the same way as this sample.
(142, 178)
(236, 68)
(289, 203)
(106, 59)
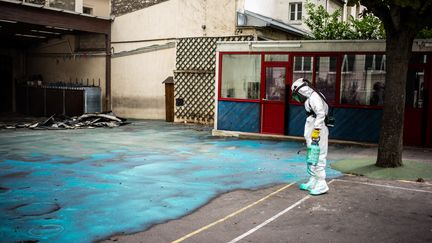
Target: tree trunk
(398, 54)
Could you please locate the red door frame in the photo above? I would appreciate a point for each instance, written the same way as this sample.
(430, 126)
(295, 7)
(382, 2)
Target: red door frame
(427, 107)
(263, 92)
(415, 117)
(428, 87)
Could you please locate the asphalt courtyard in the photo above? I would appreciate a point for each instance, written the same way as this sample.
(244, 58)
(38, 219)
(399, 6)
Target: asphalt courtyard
(355, 209)
(153, 181)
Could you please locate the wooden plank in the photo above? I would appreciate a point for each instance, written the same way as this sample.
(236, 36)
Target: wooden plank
(169, 102)
(238, 116)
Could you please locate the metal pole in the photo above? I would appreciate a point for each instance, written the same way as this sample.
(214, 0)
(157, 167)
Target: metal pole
(108, 72)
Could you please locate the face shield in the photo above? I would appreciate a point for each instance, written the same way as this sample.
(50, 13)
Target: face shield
(296, 94)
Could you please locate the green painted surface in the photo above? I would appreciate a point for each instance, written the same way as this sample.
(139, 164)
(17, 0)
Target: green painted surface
(411, 170)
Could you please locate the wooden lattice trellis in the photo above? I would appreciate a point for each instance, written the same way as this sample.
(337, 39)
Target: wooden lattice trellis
(195, 77)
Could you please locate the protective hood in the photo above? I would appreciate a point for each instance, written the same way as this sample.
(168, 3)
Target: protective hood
(305, 90)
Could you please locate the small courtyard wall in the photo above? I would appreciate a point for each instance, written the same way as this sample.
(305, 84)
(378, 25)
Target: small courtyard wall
(144, 52)
(137, 89)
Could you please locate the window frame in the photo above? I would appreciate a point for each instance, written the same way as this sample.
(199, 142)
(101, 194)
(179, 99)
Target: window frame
(313, 71)
(88, 8)
(219, 94)
(339, 55)
(292, 55)
(295, 6)
(339, 82)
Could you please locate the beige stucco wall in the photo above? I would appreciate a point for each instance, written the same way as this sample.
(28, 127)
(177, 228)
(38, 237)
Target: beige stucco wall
(68, 69)
(137, 89)
(57, 62)
(177, 18)
(101, 8)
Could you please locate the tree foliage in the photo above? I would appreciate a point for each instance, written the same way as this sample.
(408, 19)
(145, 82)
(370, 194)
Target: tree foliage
(326, 26)
(414, 15)
(368, 27)
(425, 33)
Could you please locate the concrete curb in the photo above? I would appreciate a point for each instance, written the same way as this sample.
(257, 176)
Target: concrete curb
(249, 135)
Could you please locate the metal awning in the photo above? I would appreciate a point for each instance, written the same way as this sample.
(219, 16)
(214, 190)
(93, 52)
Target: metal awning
(251, 19)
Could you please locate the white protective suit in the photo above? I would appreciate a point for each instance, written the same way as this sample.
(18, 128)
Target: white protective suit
(315, 103)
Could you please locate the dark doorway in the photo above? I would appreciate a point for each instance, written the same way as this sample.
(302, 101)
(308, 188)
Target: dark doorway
(6, 84)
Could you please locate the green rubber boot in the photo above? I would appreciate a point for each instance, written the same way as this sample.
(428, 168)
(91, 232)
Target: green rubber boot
(308, 185)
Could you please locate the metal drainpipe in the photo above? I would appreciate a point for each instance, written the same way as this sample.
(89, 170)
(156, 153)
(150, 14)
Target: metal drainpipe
(108, 72)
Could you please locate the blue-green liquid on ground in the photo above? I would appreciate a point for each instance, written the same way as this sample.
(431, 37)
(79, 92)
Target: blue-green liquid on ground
(85, 185)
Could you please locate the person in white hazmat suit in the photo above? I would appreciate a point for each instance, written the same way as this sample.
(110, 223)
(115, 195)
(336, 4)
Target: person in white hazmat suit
(315, 129)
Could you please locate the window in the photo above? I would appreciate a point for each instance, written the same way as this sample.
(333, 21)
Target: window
(348, 63)
(418, 58)
(325, 77)
(87, 10)
(275, 83)
(276, 58)
(375, 62)
(241, 76)
(363, 80)
(295, 11)
(415, 88)
(62, 4)
(302, 67)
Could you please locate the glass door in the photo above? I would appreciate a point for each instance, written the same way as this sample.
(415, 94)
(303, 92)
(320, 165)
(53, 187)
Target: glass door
(415, 113)
(273, 99)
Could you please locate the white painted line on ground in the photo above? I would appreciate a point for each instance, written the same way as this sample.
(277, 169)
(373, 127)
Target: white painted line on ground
(231, 215)
(385, 186)
(272, 218)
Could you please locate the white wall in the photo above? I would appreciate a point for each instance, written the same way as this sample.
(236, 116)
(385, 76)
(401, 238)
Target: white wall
(137, 89)
(279, 9)
(177, 18)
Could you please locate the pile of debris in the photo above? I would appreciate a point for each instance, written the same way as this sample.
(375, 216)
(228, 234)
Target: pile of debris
(88, 120)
